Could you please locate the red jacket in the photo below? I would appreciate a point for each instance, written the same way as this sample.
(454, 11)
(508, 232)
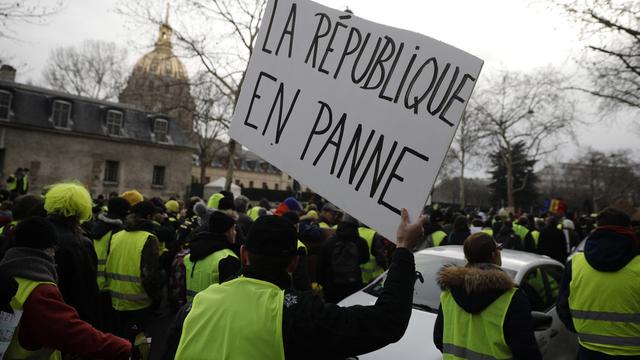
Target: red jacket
(48, 322)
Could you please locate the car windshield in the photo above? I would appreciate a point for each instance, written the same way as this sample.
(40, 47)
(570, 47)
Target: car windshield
(426, 295)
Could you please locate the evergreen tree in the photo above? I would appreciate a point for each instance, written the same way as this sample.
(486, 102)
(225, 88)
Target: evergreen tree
(524, 179)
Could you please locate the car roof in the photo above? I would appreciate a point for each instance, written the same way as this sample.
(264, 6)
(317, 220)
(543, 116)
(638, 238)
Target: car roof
(511, 259)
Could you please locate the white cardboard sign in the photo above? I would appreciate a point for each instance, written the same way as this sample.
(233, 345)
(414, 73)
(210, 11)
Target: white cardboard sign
(360, 112)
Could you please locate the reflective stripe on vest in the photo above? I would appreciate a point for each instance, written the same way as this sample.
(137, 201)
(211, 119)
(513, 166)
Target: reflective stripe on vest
(437, 237)
(219, 313)
(123, 270)
(608, 324)
(461, 329)
(101, 246)
(15, 350)
(370, 270)
(204, 272)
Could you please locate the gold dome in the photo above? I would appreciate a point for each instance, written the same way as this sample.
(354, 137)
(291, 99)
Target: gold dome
(161, 61)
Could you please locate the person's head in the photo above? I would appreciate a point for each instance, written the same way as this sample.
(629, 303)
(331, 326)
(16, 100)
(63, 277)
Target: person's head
(264, 203)
(28, 205)
(118, 208)
(143, 210)
(221, 223)
(551, 222)
(523, 221)
(293, 217)
(172, 206)
(271, 246)
(436, 217)
(36, 233)
(241, 204)
(477, 222)
(226, 203)
(481, 248)
(132, 196)
(460, 224)
(613, 217)
(293, 204)
(70, 201)
(330, 213)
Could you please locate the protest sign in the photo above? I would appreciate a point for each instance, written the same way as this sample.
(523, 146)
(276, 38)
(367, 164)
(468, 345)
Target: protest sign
(360, 112)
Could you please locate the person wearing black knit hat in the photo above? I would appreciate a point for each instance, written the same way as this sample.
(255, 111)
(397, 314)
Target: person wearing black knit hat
(258, 316)
(48, 324)
(212, 260)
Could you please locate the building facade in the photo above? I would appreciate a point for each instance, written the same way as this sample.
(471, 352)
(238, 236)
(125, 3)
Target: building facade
(109, 147)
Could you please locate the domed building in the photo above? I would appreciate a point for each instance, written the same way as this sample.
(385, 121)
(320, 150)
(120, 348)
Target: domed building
(160, 83)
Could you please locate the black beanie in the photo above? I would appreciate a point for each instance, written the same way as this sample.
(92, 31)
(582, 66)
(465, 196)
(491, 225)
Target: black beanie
(144, 208)
(273, 236)
(226, 203)
(35, 232)
(220, 222)
(118, 207)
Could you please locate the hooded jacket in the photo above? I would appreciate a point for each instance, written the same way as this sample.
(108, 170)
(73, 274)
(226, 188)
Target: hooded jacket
(607, 249)
(47, 321)
(476, 287)
(204, 244)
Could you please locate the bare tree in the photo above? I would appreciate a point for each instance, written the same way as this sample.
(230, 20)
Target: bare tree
(29, 11)
(211, 120)
(465, 146)
(532, 109)
(612, 58)
(220, 35)
(95, 69)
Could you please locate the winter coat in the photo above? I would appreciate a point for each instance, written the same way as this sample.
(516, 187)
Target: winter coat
(553, 244)
(77, 263)
(313, 329)
(47, 321)
(476, 287)
(457, 237)
(607, 249)
(204, 244)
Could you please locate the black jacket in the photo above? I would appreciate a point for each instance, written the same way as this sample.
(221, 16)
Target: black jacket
(204, 244)
(476, 287)
(553, 244)
(607, 249)
(313, 329)
(77, 262)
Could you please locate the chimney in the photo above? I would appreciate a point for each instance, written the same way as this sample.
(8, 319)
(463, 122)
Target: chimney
(7, 73)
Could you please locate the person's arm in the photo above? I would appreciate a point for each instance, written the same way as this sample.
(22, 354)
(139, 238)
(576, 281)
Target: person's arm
(339, 332)
(438, 330)
(518, 329)
(150, 270)
(562, 305)
(363, 251)
(228, 268)
(48, 322)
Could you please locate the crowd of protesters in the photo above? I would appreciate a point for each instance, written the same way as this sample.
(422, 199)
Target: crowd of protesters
(89, 276)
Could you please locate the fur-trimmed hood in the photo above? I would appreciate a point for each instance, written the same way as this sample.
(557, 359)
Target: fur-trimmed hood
(474, 287)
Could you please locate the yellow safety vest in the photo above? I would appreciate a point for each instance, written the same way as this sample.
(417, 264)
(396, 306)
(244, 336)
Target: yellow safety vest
(302, 248)
(250, 307)
(370, 270)
(475, 336)
(15, 350)
(254, 212)
(437, 237)
(12, 183)
(12, 223)
(605, 307)
(123, 271)
(535, 234)
(488, 231)
(203, 273)
(101, 247)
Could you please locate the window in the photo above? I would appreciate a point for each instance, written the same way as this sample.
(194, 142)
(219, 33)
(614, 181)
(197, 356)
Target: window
(207, 179)
(541, 286)
(5, 104)
(114, 122)
(111, 171)
(61, 114)
(160, 129)
(251, 184)
(265, 186)
(158, 176)
(276, 186)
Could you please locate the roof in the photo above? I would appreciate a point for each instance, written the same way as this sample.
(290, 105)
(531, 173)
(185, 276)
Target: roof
(511, 259)
(32, 106)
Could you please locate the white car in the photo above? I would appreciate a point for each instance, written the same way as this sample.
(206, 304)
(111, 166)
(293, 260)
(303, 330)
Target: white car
(554, 340)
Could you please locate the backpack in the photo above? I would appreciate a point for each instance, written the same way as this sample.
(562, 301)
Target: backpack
(344, 263)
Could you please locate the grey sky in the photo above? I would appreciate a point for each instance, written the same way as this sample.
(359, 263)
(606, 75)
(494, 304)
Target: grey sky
(506, 34)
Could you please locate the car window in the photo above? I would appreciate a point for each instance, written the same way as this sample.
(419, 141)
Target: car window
(426, 294)
(541, 285)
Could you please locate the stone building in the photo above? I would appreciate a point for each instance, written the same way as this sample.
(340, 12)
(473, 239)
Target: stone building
(106, 146)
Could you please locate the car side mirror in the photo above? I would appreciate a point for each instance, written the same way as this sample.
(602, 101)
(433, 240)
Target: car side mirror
(541, 321)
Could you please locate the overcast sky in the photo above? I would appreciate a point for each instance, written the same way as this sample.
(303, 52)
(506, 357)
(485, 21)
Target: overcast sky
(507, 34)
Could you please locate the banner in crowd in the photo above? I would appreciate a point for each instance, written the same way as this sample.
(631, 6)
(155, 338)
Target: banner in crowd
(360, 112)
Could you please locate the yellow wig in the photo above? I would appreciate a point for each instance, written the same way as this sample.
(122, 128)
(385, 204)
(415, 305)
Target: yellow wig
(68, 199)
